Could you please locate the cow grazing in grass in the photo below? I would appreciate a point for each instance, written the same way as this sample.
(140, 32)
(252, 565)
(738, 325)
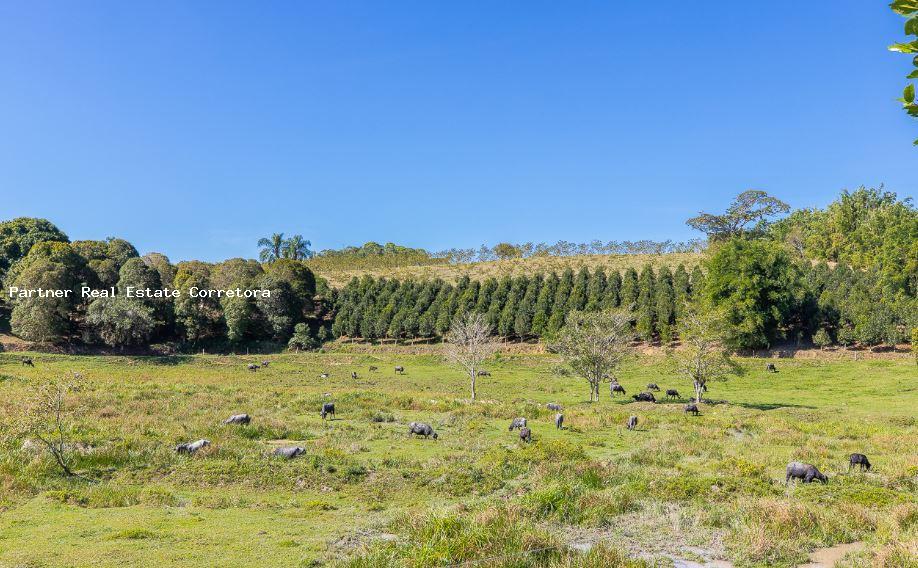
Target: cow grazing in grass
(399, 369)
(265, 363)
(191, 448)
(354, 375)
(559, 421)
(518, 423)
(805, 472)
(770, 367)
(616, 388)
(692, 407)
(323, 376)
(525, 435)
(553, 406)
(328, 408)
(373, 368)
(644, 397)
(289, 452)
(632, 422)
(421, 429)
(27, 361)
(653, 387)
(240, 419)
(483, 373)
(252, 367)
(672, 393)
(859, 460)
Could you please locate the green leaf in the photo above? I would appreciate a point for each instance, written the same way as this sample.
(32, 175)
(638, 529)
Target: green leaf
(910, 47)
(904, 7)
(909, 93)
(911, 26)
(913, 75)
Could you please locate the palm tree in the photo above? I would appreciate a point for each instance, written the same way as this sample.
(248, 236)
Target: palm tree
(272, 248)
(297, 248)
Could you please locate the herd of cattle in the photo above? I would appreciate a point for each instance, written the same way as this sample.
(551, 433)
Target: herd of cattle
(805, 472)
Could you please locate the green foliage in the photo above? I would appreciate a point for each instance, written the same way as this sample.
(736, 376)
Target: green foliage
(121, 321)
(821, 338)
(908, 9)
(751, 206)
(756, 284)
(18, 236)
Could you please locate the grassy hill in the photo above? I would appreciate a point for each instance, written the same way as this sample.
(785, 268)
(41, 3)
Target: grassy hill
(338, 276)
(365, 494)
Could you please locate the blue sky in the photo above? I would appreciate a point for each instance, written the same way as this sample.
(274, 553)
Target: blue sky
(194, 128)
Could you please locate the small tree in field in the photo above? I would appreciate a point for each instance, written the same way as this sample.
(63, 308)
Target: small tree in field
(468, 344)
(703, 357)
(46, 417)
(821, 338)
(594, 344)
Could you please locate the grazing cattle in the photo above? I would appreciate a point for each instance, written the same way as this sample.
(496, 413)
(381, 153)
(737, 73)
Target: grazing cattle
(808, 473)
(253, 367)
(323, 376)
(653, 387)
(289, 452)
(770, 367)
(265, 363)
(483, 373)
(327, 408)
(644, 397)
(860, 460)
(553, 406)
(372, 368)
(27, 361)
(525, 434)
(616, 388)
(559, 421)
(399, 369)
(421, 429)
(632, 423)
(354, 375)
(672, 393)
(238, 419)
(518, 423)
(692, 407)
(191, 447)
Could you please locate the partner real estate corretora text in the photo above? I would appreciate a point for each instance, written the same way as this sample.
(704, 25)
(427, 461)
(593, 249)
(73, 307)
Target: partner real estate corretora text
(132, 292)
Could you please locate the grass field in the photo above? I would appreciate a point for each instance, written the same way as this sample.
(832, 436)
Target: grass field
(514, 267)
(680, 487)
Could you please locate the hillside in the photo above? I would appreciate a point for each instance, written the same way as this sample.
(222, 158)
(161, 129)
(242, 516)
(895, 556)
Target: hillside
(511, 267)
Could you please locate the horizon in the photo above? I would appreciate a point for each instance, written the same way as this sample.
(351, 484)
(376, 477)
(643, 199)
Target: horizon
(194, 132)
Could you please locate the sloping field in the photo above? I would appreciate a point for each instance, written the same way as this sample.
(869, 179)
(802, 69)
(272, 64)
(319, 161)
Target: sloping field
(514, 267)
(365, 494)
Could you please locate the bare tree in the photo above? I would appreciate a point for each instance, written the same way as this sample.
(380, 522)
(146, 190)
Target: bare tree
(46, 417)
(594, 344)
(468, 344)
(703, 357)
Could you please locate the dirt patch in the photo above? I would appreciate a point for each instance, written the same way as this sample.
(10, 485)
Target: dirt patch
(828, 557)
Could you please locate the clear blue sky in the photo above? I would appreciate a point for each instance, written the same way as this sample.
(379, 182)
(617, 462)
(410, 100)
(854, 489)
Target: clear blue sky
(194, 128)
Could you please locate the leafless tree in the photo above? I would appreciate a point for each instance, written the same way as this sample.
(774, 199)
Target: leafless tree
(46, 417)
(703, 357)
(468, 344)
(594, 344)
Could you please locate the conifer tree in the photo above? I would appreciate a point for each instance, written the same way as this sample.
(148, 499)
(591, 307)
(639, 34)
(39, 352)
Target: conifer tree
(542, 311)
(665, 305)
(596, 290)
(629, 291)
(578, 298)
(645, 303)
(610, 298)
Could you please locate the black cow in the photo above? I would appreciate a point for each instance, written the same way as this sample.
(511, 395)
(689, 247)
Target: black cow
(483, 373)
(399, 369)
(238, 419)
(559, 421)
(525, 434)
(518, 423)
(770, 367)
(672, 393)
(553, 406)
(265, 363)
(859, 460)
(289, 452)
(354, 375)
(373, 368)
(327, 408)
(253, 367)
(644, 397)
(421, 429)
(27, 361)
(632, 422)
(616, 388)
(653, 387)
(692, 407)
(808, 473)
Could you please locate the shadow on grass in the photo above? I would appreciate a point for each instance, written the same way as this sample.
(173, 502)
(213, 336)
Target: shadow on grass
(163, 360)
(771, 405)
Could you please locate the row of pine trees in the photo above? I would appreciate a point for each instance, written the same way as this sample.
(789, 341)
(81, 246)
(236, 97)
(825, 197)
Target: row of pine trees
(519, 307)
